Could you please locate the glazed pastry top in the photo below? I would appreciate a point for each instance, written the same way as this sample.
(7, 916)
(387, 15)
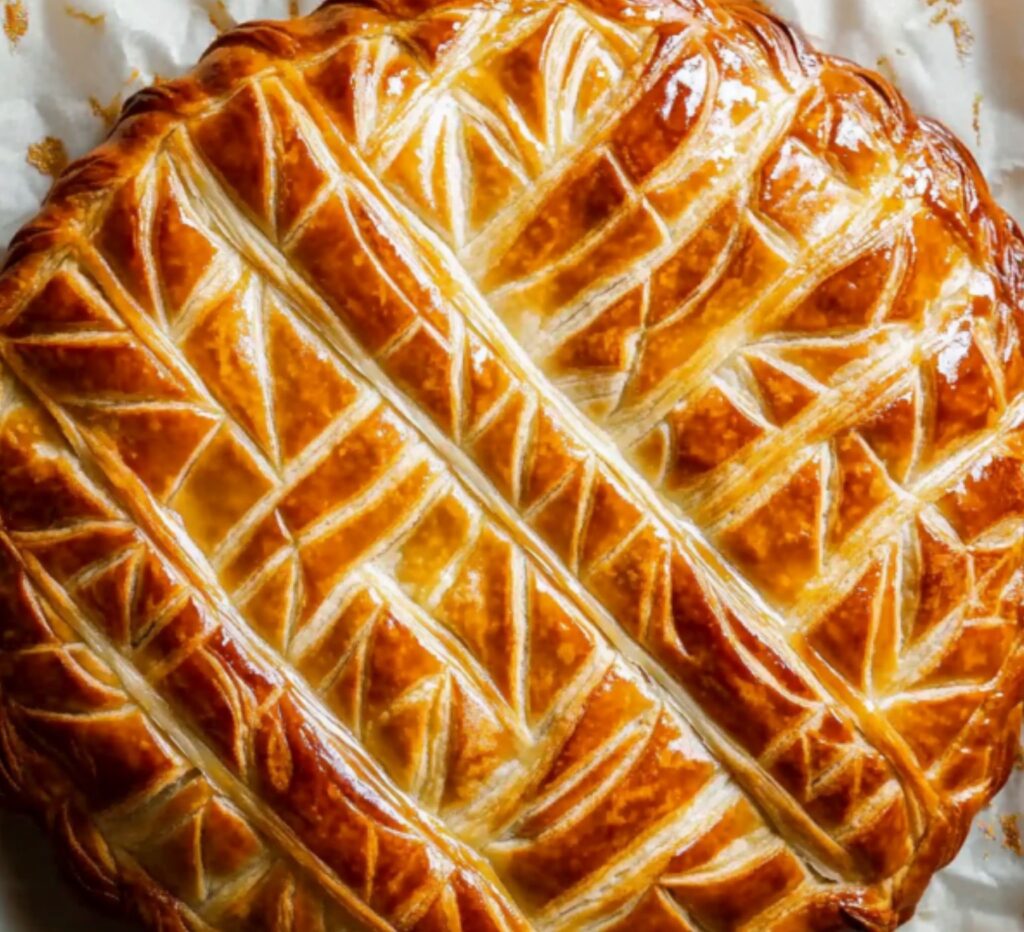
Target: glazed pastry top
(494, 466)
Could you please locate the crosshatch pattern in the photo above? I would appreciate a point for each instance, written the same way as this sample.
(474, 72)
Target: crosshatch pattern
(470, 466)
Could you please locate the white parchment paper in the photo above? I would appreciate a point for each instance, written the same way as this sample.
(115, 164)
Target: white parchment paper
(66, 67)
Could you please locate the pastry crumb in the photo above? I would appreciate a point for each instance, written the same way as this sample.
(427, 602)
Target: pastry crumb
(108, 113)
(946, 13)
(885, 67)
(48, 156)
(15, 21)
(293, 8)
(1011, 834)
(976, 123)
(90, 19)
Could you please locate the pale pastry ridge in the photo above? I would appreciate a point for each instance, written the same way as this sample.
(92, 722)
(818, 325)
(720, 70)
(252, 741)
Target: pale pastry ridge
(487, 465)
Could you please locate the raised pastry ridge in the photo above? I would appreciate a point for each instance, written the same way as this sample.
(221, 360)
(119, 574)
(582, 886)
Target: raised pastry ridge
(275, 315)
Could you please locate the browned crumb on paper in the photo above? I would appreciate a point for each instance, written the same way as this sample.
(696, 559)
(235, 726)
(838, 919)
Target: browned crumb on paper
(48, 156)
(109, 112)
(946, 13)
(293, 8)
(986, 828)
(885, 67)
(90, 19)
(15, 21)
(1011, 834)
(979, 99)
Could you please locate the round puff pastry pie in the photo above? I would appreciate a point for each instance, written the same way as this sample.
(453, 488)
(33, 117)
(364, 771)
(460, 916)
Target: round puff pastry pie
(504, 465)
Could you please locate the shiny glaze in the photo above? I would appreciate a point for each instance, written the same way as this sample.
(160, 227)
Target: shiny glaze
(466, 664)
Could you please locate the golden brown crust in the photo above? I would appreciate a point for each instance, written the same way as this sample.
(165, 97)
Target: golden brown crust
(261, 177)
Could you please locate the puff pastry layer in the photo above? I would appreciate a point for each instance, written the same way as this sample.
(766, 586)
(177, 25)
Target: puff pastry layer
(489, 465)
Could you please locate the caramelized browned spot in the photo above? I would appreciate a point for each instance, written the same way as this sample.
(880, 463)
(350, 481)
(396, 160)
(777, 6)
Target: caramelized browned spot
(61, 306)
(351, 466)
(181, 251)
(664, 117)
(324, 802)
(226, 350)
(784, 395)
(422, 364)
(605, 342)
(496, 448)
(580, 205)
(332, 254)
(861, 489)
(121, 239)
(113, 366)
(730, 899)
(695, 642)
(843, 636)
(848, 298)
(966, 395)
(233, 141)
(892, 433)
(309, 388)
(156, 443)
(660, 784)
(298, 176)
(220, 488)
(991, 492)
(706, 434)
(944, 580)
(519, 73)
(115, 756)
(779, 545)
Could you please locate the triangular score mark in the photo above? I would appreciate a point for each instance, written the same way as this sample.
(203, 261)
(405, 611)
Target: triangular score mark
(309, 387)
(779, 545)
(63, 304)
(182, 252)
(862, 487)
(785, 395)
(892, 433)
(843, 636)
(226, 350)
(156, 442)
